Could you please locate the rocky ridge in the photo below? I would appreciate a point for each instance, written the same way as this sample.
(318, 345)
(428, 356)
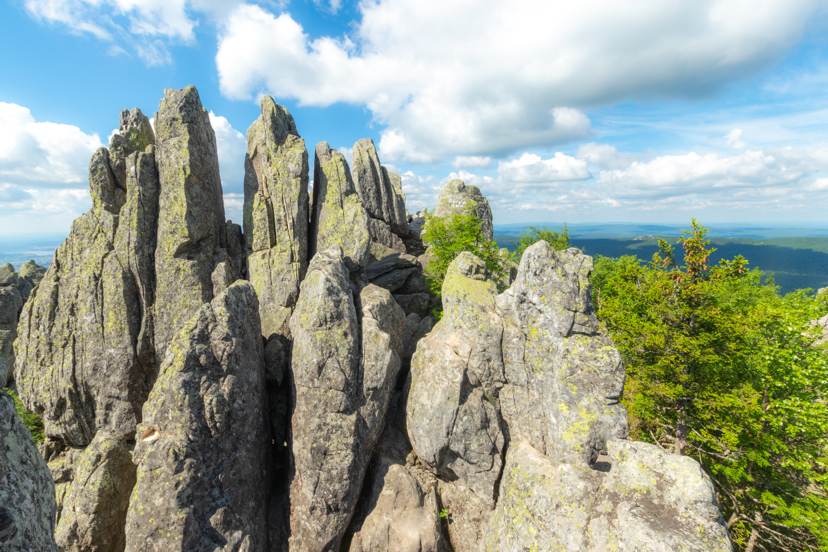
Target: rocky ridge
(285, 388)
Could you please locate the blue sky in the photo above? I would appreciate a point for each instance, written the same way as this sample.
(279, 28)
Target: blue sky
(595, 111)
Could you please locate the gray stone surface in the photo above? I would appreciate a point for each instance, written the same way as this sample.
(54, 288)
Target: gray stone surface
(453, 420)
(341, 396)
(134, 134)
(338, 215)
(276, 214)
(14, 292)
(456, 195)
(649, 501)
(27, 493)
(202, 446)
(382, 234)
(565, 377)
(375, 188)
(191, 214)
(85, 358)
(94, 503)
(400, 508)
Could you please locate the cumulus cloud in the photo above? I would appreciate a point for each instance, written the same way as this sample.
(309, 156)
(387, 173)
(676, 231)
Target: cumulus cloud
(42, 154)
(734, 139)
(511, 76)
(531, 169)
(471, 161)
(231, 145)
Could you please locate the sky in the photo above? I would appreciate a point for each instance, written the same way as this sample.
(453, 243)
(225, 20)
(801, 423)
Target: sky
(593, 111)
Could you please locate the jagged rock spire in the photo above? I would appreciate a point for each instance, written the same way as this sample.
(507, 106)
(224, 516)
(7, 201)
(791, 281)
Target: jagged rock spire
(276, 214)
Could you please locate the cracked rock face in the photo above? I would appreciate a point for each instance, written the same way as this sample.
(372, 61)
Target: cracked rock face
(191, 212)
(344, 367)
(453, 419)
(27, 493)
(649, 500)
(201, 448)
(383, 201)
(565, 378)
(84, 356)
(338, 215)
(276, 214)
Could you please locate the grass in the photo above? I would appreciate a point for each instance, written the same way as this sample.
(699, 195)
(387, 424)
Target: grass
(30, 420)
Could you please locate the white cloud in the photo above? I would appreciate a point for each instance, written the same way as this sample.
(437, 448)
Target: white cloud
(734, 139)
(231, 145)
(146, 26)
(679, 175)
(462, 161)
(42, 154)
(605, 156)
(233, 207)
(531, 169)
(513, 75)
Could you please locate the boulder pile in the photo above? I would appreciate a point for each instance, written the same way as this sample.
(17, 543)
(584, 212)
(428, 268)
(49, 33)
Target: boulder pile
(282, 386)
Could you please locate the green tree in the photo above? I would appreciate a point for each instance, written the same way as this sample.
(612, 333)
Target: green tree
(721, 368)
(558, 240)
(449, 236)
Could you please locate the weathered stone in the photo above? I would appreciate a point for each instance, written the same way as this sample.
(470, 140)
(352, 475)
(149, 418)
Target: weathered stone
(456, 195)
(338, 215)
(565, 377)
(107, 193)
(276, 214)
(8, 277)
(649, 501)
(27, 494)
(341, 396)
(201, 448)
(394, 280)
(392, 261)
(191, 213)
(420, 303)
(400, 511)
(134, 135)
(375, 188)
(94, 504)
(466, 515)
(10, 304)
(381, 233)
(452, 415)
(32, 271)
(84, 357)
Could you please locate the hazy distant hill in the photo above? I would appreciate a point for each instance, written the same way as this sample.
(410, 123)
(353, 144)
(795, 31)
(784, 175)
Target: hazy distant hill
(796, 262)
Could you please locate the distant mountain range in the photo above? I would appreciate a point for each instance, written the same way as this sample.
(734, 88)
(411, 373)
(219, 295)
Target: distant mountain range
(632, 230)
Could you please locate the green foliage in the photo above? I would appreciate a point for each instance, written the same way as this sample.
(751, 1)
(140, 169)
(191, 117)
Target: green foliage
(558, 240)
(449, 236)
(30, 420)
(720, 367)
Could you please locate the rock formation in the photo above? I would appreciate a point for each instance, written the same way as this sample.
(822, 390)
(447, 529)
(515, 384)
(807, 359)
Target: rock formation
(343, 389)
(456, 195)
(14, 292)
(27, 493)
(338, 215)
(202, 446)
(276, 214)
(316, 406)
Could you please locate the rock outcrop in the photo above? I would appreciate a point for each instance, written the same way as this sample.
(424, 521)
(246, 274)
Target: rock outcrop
(343, 388)
(649, 500)
(456, 195)
(85, 356)
(338, 215)
(565, 377)
(191, 212)
(201, 449)
(276, 214)
(456, 375)
(14, 292)
(317, 406)
(383, 201)
(27, 493)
